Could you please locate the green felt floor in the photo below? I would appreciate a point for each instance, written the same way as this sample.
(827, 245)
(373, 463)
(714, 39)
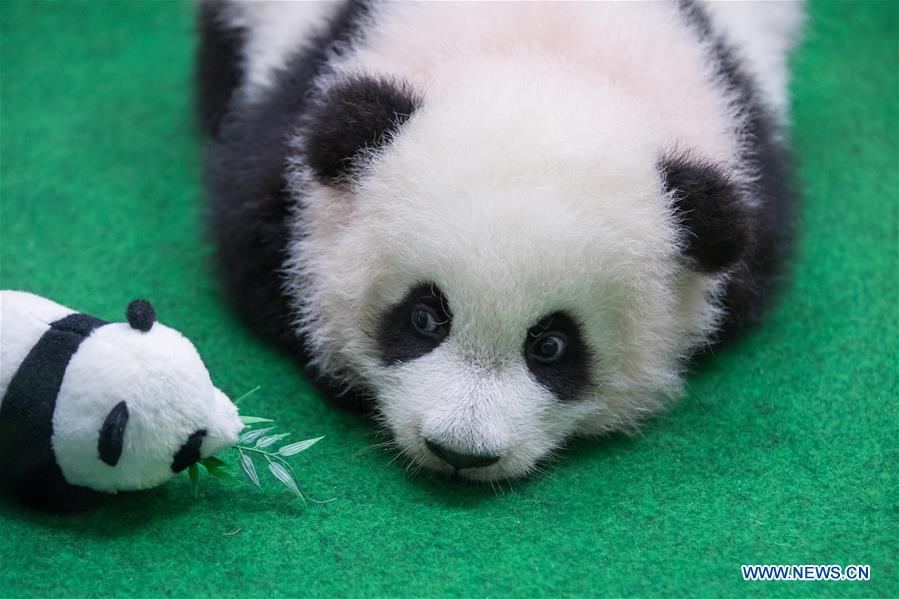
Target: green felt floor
(784, 450)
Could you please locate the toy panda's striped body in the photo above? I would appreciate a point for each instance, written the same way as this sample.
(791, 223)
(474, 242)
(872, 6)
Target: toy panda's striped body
(504, 222)
(87, 405)
(29, 385)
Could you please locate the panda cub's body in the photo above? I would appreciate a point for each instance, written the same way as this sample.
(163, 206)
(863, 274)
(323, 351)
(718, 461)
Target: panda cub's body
(505, 223)
(90, 406)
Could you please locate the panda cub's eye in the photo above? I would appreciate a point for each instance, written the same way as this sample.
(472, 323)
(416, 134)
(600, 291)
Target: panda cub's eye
(415, 326)
(548, 347)
(427, 322)
(557, 356)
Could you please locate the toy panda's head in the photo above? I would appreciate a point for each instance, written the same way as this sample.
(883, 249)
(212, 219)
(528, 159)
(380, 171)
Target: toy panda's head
(137, 406)
(502, 265)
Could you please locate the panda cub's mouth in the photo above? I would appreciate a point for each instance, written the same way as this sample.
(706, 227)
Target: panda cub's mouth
(492, 472)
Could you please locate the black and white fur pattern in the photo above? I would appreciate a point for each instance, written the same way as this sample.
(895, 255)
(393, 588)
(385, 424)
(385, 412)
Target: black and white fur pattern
(423, 200)
(89, 406)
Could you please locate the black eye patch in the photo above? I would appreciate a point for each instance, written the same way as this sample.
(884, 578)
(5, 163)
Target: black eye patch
(189, 453)
(566, 375)
(112, 434)
(400, 335)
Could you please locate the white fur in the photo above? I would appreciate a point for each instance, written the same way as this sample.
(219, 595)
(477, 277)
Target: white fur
(526, 183)
(159, 375)
(24, 318)
(275, 29)
(762, 34)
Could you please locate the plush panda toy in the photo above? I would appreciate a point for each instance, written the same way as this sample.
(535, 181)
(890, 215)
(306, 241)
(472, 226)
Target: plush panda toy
(504, 224)
(88, 406)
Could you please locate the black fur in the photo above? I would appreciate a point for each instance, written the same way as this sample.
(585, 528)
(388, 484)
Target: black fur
(755, 279)
(189, 453)
(219, 67)
(245, 175)
(28, 465)
(358, 114)
(716, 222)
(398, 339)
(112, 434)
(569, 376)
(140, 315)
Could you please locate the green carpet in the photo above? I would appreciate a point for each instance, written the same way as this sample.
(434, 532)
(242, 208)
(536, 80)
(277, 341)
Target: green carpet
(784, 451)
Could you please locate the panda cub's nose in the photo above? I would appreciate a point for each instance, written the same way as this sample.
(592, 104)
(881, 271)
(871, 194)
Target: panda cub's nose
(460, 460)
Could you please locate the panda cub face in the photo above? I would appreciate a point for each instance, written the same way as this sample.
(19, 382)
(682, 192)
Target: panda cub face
(503, 269)
(137, 406)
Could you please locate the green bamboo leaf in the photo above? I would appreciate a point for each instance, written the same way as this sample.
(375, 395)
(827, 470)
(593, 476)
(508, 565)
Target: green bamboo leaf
(213, 462)
(223, 475)
(247, 394)
(254, 420)
(270, 440)
(217, 468)
(247, 438)
(246, 464)
(285, 477)
(194, 474)
(295, 448)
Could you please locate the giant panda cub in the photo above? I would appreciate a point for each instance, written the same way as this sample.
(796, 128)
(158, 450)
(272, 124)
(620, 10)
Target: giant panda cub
(503, 224)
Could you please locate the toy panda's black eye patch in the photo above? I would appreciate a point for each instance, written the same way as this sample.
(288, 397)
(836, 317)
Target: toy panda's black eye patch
(112, 434)
(557, 356)
(189, 454)
(414, 326)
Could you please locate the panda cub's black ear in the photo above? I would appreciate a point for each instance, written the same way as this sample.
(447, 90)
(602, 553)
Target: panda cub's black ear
(717, 225)
(140, 315)
(354, 115)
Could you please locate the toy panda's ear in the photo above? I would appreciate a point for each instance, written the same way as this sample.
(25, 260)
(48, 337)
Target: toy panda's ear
(140, 315)
(112, 434)
(354, 115)
(717, 225)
